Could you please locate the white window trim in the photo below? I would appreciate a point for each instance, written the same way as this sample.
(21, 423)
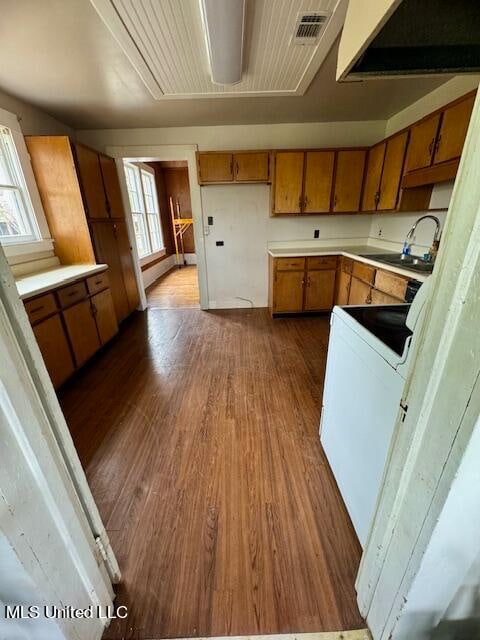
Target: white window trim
(45, 241)
(149, 257)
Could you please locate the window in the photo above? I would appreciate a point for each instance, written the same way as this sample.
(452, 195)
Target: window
(17, 220)
(142, 194)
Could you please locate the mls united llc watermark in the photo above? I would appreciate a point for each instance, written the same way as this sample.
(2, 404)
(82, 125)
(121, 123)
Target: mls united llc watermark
(32, 612)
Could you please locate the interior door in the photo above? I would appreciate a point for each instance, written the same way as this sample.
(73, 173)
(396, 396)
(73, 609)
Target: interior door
(91, 182)
(106, 251)
(318, 181)
(392, 172)
(288, 291)
(373, 176)
(288, 182)
(112, 186)
(453, 130)
(349, 180)
(320, 290)
(422, 142)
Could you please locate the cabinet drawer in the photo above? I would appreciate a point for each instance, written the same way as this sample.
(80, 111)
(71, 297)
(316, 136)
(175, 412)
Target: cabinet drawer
(290, 264)
(391, 284)
(363, 272)
(71, 294)
(322, 262)
(40, 307)
(98, 282)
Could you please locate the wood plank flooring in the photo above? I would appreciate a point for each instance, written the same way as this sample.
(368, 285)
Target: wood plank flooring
(199, 435)
(177, 289)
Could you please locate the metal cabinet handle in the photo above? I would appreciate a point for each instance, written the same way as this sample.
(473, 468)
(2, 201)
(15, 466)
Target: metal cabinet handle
(300, 203)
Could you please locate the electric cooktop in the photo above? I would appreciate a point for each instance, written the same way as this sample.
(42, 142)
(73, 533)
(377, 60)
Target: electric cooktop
(387, 323)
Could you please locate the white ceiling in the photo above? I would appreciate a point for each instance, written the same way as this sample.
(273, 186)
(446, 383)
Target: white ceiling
(173, 61)
(60, 56)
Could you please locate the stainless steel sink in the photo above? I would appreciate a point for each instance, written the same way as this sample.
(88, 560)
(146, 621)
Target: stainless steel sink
(413, 263)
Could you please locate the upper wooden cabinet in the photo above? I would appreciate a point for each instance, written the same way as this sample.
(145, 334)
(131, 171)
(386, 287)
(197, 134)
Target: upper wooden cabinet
(319, 167)
(216, 167)
(348, 180)
(91, 182)
(251, 166)
(453, 129)
(422, 143)
(287, 192)
(392, 171)
(111, 185)
(373, 176)
(80, 192)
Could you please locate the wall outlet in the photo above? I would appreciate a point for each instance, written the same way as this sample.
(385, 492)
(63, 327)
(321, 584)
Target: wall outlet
(219, 243)
(379, 232)
(316, 233)
(210, 220)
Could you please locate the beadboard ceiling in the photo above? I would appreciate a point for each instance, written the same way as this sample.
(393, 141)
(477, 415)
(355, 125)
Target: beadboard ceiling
(165, 40)
(60, 56)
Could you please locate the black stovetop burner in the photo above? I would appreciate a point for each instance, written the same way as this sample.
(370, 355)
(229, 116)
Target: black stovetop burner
(387, 323)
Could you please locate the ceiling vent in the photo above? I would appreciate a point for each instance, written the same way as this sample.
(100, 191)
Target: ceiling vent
(309, 26)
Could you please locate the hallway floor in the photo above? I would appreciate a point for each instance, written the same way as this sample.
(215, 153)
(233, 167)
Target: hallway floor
(199, 435)
(177, 289)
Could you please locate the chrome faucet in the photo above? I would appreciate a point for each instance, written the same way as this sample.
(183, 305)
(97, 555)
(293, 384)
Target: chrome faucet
(409, 239)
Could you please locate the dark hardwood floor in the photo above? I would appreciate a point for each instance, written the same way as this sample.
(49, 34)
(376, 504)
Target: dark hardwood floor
(199, 435)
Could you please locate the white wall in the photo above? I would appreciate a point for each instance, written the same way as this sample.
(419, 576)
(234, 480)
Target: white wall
(33, 121)
(447, 585)
(241, 219)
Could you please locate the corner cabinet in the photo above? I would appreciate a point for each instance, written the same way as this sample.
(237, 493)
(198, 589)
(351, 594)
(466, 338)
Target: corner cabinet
(81, 196)
(304, 284)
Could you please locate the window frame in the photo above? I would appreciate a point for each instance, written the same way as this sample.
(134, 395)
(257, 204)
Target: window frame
(139, 169)
(40, 240)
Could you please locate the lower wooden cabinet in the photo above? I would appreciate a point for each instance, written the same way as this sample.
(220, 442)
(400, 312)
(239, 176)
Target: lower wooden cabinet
(55, 349)
(343, 287)
(360, 292)
(82, 331)
(71, 323)
(104, 313)
(299, 284)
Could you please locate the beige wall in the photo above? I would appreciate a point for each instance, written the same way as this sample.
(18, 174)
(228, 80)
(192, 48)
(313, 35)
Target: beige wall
(259, 136)
(32, 120)
(454, 88)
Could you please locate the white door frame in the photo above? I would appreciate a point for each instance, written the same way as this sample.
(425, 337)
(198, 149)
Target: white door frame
(443, 399)
(48, 514)
(159, 153)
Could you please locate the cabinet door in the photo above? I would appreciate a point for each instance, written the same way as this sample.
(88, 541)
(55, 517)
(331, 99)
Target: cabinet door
(288, 182)
(104, 313)
(91, 182)
(343, 287)
(453, 130)
(53, 344)
(106, 251)
(348, 180)
(392, 171)
(288, 291)
(373, 176)
(360, 292)
(318, 181)
(82, 331)
(125, 252)
(215, 167)
(252, 167)
(320, 290)
(421, 144)
(111, 184)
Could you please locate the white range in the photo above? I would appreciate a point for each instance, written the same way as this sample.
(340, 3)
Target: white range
(368, 357)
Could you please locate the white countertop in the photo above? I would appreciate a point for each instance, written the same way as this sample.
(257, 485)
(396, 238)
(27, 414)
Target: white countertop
(35, 283)
(355, 252)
